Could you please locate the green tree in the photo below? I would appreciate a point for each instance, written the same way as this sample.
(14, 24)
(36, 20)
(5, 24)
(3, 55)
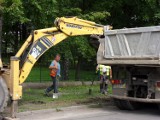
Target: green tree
(76, 49)
(79, 47)
(22, 16)
(14, 17)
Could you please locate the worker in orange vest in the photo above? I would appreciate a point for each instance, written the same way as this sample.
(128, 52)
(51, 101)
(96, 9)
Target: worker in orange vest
(55, 74)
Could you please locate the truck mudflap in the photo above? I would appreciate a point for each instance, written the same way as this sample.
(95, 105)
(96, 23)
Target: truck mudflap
(144, 100)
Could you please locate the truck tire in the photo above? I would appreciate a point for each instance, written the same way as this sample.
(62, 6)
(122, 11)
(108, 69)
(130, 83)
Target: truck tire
(118, 104)
(4, 94)
(158, 106)
(126, 105)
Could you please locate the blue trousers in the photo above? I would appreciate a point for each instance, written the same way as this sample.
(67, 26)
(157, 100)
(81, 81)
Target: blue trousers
(103, 83)
(103, 87)
(54, 86)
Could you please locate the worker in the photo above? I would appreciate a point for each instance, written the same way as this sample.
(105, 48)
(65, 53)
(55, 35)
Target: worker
(104, 76)
(55, 75)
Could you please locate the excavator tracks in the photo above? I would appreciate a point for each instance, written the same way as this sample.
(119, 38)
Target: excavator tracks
(4, 94)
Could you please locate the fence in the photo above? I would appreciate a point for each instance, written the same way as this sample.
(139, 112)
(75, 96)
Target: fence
(40, 73)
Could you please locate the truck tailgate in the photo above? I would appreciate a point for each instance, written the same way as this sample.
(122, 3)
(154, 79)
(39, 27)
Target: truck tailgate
(130, 46)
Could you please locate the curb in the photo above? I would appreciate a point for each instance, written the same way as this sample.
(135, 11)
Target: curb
(61, 84)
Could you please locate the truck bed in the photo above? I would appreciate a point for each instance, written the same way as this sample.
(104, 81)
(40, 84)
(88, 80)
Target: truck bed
(138, 46)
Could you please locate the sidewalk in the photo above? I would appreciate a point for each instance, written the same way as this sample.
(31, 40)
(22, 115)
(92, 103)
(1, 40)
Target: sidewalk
(62, 113)
(108, 112)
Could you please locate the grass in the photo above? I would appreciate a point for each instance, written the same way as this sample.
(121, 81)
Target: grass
(34, 99)
(42, 74)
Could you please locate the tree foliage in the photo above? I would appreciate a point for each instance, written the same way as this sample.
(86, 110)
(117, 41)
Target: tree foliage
(22, 16)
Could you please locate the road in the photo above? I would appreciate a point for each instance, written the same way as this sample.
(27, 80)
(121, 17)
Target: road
(92, 113)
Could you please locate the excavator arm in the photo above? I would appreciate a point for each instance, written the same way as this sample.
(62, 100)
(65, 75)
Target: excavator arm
(42, 40)
(34, 47)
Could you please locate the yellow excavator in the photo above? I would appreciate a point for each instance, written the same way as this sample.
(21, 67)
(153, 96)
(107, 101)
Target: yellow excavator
(37, 44)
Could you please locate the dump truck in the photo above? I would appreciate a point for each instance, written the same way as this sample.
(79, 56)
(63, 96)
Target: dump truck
(134, 54)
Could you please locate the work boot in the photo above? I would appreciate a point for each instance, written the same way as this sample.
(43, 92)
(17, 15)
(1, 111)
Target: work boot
(46, 93)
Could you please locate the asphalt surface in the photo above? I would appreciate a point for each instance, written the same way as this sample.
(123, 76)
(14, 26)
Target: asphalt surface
(92, 113)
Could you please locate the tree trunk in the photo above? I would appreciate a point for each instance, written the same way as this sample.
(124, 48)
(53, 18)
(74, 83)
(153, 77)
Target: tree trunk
(24, 32)
(157, 3)
(77, 74)
(1, 39)
(66, 69)
(16, 38)
(5, 45)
